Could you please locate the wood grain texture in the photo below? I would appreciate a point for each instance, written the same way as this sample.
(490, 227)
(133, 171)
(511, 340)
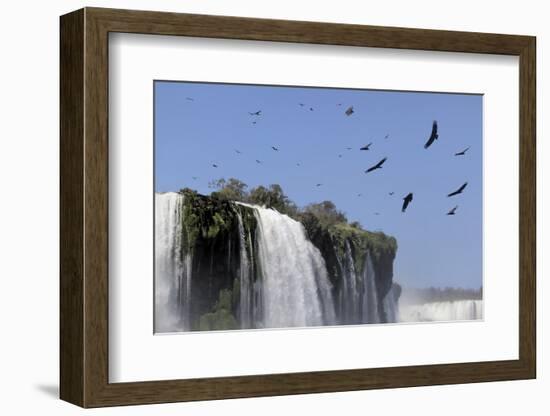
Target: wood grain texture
(71, 208)
(84, 204)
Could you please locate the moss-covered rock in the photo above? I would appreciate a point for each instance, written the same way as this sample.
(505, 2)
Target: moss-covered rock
(221, 318)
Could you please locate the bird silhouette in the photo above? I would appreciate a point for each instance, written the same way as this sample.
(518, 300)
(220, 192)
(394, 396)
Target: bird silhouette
(214, 165)
(194, 178)
(349, 111)
(274, 148)
(377, 166)
(348, 148)
(433, 135)
(298, 164)
(254, 122)
(359, 194)
(463, 152)
(301, 104)
(406, 201)
(238, 151)
(319, 184)
(310, 108)
(366, 147)
(258, 161)
(256, 113)
(459, 190)
(376, 213)
(189, 99)
(387, 136)
(391, 193)
(452, 211)
(339, 155)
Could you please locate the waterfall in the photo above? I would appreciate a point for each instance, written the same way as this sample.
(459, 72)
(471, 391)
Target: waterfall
(349, 297)
(370, 296)
(295, 287)
(275, 275)
(245, 284)
(391, 306)
(172, 266)
(458, 310)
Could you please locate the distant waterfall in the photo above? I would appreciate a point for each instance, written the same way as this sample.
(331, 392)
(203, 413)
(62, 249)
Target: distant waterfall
(295, 287)
(458, 310)
(172, 266)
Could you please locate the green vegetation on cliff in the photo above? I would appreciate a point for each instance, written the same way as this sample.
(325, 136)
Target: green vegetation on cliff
(221, 317)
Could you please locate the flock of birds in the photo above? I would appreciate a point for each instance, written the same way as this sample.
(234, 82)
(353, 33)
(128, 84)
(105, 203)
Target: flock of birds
(350, 111)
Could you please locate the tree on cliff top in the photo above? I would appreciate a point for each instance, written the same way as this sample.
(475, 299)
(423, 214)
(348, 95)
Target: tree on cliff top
(326, 213)
(273, 197)
(232, 189)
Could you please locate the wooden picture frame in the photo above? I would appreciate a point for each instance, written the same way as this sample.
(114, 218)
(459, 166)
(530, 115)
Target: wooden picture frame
(84, 207)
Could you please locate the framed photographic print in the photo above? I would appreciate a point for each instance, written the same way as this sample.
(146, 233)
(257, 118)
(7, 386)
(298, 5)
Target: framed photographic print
(255, 207)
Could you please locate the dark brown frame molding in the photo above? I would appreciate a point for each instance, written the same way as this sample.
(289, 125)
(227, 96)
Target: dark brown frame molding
(84, 210)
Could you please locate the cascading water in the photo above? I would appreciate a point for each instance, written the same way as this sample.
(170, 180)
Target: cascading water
(295, 287)
(172, 266)
(458, 310)
(391, 306)
(245, 283)
(370, 298)
(349, 297)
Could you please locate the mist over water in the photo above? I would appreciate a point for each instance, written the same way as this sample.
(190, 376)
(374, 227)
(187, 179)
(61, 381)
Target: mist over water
(456, 310)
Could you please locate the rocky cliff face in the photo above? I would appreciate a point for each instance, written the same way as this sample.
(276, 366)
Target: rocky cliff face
(234, 265)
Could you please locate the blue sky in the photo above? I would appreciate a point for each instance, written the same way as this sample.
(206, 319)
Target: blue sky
(434, 249)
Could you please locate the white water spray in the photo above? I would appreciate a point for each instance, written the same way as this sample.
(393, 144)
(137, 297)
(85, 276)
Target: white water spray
(458, 310)
(295, 286)
(172, 267)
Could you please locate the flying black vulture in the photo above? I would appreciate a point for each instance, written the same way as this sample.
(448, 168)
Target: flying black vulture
(349, 111)
(391, 193)
(377, 166)
(433, 135)
(274, 148)
(406, 201)
(319, 184)
(256, 113)
(214, 165)
(463, 152)
(366, 147)
(459, 190)
(310, 108)
(452, 211)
